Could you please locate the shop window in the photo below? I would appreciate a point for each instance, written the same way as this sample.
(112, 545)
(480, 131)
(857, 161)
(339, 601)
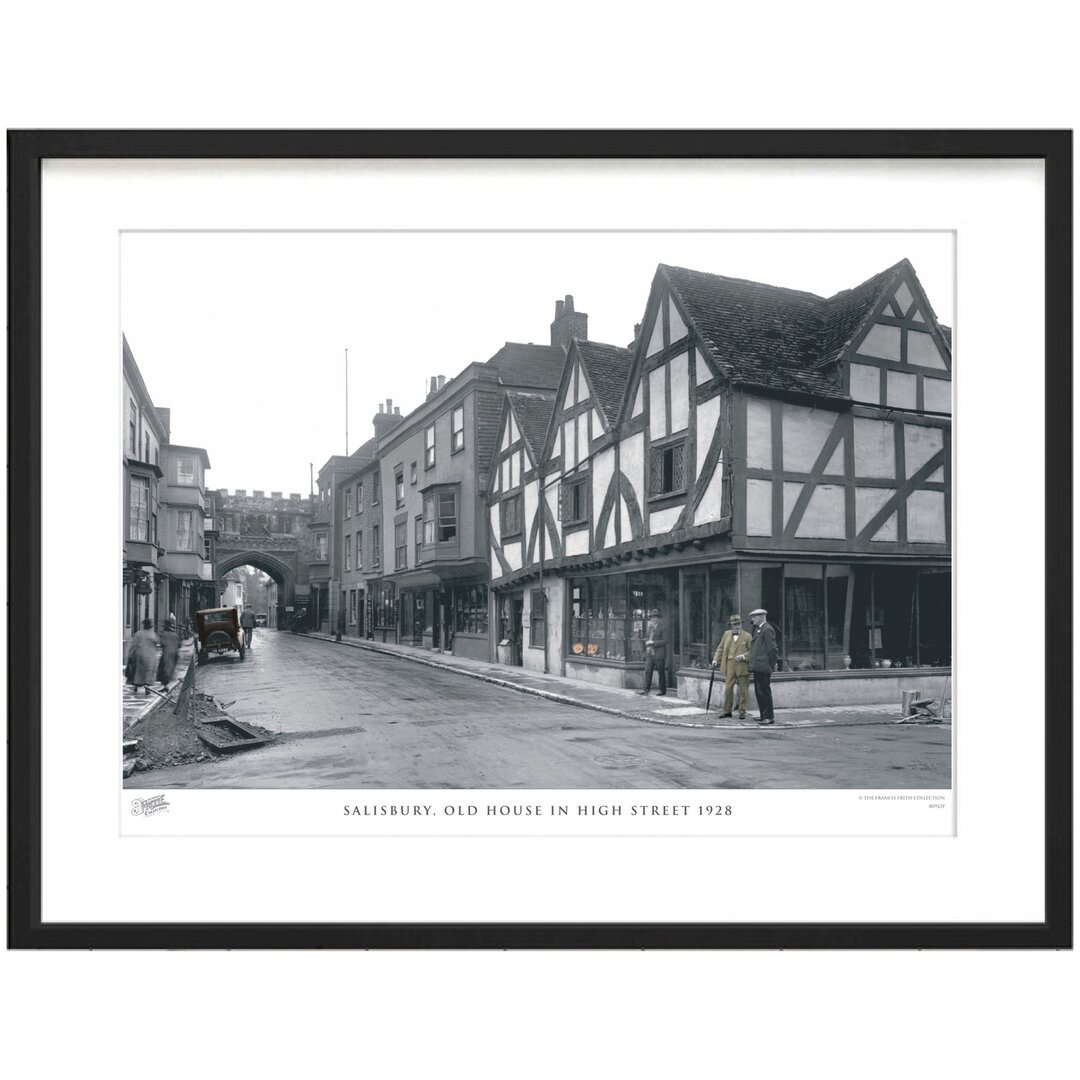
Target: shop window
(695, 596)
(723, 603)
(935, 618)
(510, 517)
(537, 617)
(608, 615)
(574, 500)
(401, 545)
(471, 609)
(385, 606)
(667, 469)
(804, 617)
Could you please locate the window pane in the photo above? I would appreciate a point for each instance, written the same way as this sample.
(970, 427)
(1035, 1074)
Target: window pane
(935, 618)
(761, 589)
(804, 618)
(840, 593)
(723, 604)
(895, 612)
(447, 516)
(697, 652)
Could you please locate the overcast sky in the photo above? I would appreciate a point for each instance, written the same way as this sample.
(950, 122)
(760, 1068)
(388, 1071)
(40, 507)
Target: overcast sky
(243, 335)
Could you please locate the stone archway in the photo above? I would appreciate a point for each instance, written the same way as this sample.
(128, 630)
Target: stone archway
(283, 574)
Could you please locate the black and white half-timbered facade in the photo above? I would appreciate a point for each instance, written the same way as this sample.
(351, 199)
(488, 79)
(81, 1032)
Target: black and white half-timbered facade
(755, 446)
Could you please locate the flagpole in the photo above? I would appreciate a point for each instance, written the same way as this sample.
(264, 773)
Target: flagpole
(346, 402)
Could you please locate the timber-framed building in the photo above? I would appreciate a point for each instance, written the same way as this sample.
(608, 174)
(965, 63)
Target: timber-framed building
(755, 446)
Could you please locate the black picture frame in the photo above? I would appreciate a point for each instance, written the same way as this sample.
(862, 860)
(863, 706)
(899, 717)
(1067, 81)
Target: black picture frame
(26, 152)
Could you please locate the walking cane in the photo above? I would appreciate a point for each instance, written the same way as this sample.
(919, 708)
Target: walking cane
(708, 697)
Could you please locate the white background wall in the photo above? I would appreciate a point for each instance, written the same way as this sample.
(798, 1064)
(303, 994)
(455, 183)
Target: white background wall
(886, 1015)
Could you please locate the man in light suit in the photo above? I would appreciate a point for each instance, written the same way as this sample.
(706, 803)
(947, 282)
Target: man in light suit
(733, 659)
(763, 654)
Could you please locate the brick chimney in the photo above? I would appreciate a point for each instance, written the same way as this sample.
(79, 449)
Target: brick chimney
(568, 324)
(386, 418)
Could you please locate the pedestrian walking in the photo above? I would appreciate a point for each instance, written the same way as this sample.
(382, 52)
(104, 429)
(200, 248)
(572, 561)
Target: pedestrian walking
(142, 657)
(247, 622)
(170, 652)
(655, 652)
(732, 657)
(763, 655)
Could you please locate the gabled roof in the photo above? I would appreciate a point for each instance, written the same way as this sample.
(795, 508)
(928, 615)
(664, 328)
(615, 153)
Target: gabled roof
(533, 413)
(774, 337)
(608, 369)
(529, 365)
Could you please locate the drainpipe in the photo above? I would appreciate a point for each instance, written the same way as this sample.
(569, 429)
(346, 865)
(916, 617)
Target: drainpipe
(543, 596)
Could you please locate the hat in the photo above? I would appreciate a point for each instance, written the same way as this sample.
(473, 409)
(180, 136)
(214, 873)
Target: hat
(655, 611)
(759, 611)
(735, 618)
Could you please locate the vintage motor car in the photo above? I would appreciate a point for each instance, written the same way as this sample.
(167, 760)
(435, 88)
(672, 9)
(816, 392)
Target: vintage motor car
(260, 619)
(219, 631)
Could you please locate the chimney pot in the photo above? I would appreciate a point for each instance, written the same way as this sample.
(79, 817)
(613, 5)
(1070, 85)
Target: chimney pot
(397, 410)
(442, 381)
(558, 309)
(380, 406)
(389, 404)
(434, 385)
(569, 304)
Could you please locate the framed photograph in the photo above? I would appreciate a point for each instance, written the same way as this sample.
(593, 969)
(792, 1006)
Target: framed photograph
(540, 539)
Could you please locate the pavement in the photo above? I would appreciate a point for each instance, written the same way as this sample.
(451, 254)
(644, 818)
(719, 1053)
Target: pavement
(617, 701)
(138, 704)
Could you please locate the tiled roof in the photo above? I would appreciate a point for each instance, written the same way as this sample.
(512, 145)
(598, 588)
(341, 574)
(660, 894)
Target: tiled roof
(608, 368)
(533, 412)
(529, 365)
(488, 412)
(365, 450)
(769, 336)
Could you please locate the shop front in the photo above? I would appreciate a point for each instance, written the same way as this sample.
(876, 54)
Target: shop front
(847, 632)
(444, 608)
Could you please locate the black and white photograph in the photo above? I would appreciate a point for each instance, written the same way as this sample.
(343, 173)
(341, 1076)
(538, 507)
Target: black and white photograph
(473, 510)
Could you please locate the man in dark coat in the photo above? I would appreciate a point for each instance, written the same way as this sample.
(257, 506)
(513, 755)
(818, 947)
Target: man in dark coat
(247, 622)
(170, 650)
(655, 652)
(763, 655)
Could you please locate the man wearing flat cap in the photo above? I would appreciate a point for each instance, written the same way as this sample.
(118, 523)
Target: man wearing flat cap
(763, 655)
(655, 652)
(733, 659)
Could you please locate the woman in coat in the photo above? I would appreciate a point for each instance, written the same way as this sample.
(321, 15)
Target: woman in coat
(142, 657)
(170, 650)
